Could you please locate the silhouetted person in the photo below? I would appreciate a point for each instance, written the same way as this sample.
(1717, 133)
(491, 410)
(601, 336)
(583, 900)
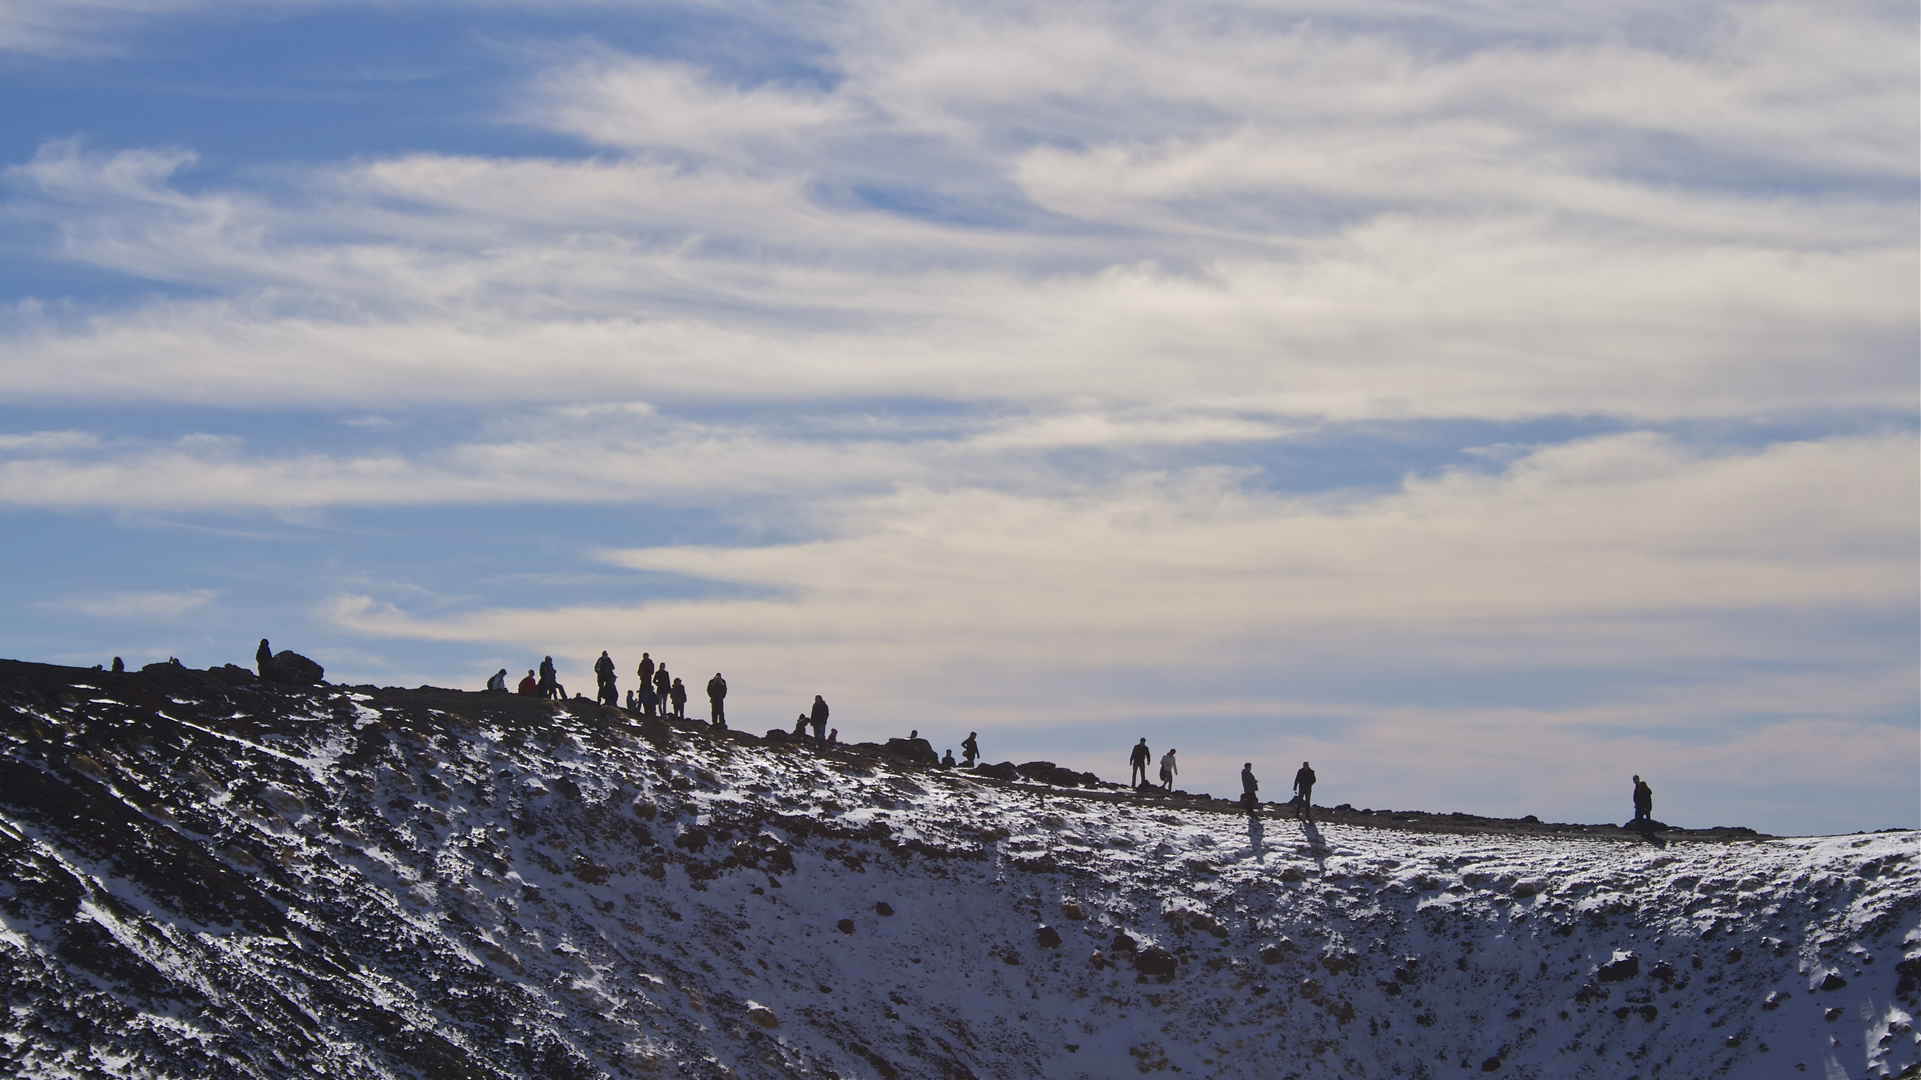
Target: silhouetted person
(1169, 770)
(498, 682)
(1304, 787)
(646, 668)
(263, 657)
(678, 695)
(717, 700)
(819, 718)
(664, 686)
(119, 665)
(529, 686)
(549, 678)
(1250, 789)
(647, 698)
(1643, 801)
(833, 737)
(947, 760)
(800, 726)
(1138, 760)
(970, 749)
(604, 675)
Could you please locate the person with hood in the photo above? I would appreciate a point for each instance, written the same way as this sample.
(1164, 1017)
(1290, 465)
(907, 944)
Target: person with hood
(1250, 789)
(1169, 770)
(819, 719)
(498, 683)
(550, 679)
(678, 695)
(263, 657)
(1304, 791)
(529, 686)
(970, 749)
(1137, 774)
(605, 676)
(717, 700)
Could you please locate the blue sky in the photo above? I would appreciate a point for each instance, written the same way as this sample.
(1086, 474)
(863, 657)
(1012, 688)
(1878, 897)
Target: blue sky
(1486, 402)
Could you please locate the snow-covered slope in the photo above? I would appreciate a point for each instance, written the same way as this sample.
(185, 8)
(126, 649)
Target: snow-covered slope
(210, 878)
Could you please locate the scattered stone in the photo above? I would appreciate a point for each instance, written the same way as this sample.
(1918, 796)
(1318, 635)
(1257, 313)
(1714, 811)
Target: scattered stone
(882, 907)
(1156, 961)
(1048, 937)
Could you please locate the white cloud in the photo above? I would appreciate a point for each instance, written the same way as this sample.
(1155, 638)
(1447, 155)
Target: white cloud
(159, 605)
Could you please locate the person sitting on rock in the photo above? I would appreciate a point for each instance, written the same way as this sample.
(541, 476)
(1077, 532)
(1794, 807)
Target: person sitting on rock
(800, 726)
(529, 686)
(498, 681)
(970, 748)
(947, 759)
(833, 737)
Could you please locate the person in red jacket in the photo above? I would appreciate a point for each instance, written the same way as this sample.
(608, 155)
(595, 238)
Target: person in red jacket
(530, 686)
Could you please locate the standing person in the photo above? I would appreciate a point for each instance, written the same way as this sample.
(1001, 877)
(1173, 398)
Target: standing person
(529, 686)
(263, 657)
(646, 669)
(717, 700)
(549, 678)
(678, 695)
(1249, 790)
(1169, 770)
(971, 750)
(1304, 788)
(1643, 801)
(1137, 774)
(947, 760)
(604, 675)
(664, 685)
(819, 719)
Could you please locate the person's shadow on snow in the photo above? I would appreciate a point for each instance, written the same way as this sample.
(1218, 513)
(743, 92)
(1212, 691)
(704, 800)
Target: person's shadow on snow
(1257, 838)
(1315, 845)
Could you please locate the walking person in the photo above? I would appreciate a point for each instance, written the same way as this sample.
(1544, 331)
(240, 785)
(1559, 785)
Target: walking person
(678, 695)
(1250, 789)
(1169, 770)
(1643, 802)
(1304, 789)
(1138, 760)
(604, 675)
(971, 749)
(819, 719)
(717, 700)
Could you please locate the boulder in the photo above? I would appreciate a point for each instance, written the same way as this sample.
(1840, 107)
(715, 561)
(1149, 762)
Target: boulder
(292, 669)
(915, 750)
(1046, 772)
(1004, 771)
(1155, 960)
